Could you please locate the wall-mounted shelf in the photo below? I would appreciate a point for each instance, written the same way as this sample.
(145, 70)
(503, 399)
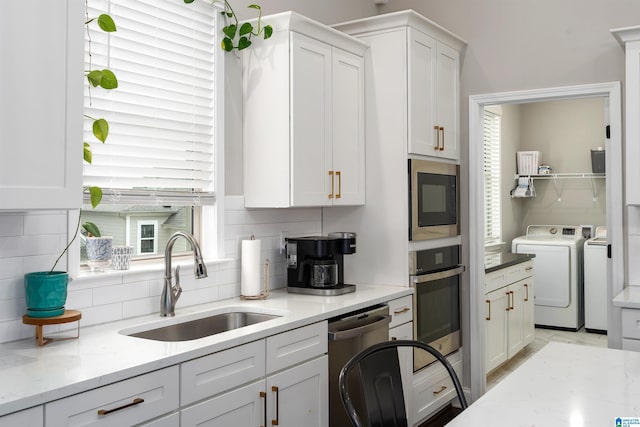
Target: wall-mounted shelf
(570, 175)
(577, 175)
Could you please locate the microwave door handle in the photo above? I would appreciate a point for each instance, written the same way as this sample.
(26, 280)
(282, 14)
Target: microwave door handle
(438, 275)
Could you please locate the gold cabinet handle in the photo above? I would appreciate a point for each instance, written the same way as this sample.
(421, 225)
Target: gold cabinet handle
(136, 401)
(275, 421)
(508, 301)
(263, 395)
(526, 293)
(528, 269)
(442, 388)
(489, 316)
(339, 175)
(332, 177)
(403, 310)
(437, 146)
(394, 339)
(513, 298)
(442, 130)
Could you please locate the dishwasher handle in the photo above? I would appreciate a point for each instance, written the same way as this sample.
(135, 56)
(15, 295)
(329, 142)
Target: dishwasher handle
(380, 321)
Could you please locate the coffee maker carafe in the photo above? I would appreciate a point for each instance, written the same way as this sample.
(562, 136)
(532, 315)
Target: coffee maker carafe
(315, 263)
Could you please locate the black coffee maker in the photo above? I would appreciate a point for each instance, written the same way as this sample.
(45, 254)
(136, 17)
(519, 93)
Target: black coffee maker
(315, 264)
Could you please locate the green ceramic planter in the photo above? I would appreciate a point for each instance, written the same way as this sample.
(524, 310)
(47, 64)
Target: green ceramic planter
(46, 293)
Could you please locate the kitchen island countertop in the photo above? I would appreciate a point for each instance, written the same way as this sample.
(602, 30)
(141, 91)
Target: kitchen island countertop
(33, 375)
(562, 385)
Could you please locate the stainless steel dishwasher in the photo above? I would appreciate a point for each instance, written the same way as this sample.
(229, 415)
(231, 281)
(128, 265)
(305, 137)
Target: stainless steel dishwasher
(348, 335)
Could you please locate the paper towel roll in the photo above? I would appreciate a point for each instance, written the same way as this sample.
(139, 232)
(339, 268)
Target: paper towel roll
(250, 270)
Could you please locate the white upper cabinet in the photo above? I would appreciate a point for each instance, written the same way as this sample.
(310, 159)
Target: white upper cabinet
(41, 84)
(629, 38)
(431, 89)
(303, 116)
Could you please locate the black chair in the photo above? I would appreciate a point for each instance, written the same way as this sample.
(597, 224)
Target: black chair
(380, 384)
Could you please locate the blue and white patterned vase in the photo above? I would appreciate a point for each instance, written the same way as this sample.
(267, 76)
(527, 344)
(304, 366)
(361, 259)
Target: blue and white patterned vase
(99, 252)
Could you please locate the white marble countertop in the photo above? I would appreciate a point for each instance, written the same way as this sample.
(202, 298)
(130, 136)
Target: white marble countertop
(628, 298)
(562, 385)
(33, 375)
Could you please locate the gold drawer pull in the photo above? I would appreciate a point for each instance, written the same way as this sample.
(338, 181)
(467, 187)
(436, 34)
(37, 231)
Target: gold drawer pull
(332, 179)
(136, 401)
(526, 288)
(339, 175)
(528, 269)
(508, 301)
(275, 390)
(437, 146)
(404, 310)
(442, 131)
(263, 395)
(489, 316)
(442, 388)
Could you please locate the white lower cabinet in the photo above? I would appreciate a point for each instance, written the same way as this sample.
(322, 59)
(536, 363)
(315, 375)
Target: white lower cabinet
(280, 380)
(631, 329)
(509, 310)
(32, 417)
(126, 403)
(401, 328)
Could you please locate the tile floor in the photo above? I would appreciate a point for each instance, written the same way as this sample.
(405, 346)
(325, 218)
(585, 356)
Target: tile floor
(542, 337)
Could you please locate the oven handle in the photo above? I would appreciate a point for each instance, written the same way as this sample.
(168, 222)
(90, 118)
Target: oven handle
(438, 275)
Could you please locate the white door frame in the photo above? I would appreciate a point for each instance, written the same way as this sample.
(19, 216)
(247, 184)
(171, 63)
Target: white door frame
(614, 209)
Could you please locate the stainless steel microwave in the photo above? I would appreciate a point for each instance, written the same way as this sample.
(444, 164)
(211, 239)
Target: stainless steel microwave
(434, 200)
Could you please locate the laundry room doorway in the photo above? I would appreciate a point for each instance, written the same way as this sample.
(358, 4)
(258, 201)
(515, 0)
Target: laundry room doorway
(610, 96)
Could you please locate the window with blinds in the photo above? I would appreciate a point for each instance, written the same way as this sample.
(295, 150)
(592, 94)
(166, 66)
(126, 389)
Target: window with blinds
(157, 165)
(492, 209)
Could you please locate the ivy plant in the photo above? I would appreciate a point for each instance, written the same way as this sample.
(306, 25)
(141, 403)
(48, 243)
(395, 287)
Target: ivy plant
(236, 35)
(105, 79)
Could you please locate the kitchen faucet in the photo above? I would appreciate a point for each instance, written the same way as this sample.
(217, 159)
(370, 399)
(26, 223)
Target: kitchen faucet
(171, 293)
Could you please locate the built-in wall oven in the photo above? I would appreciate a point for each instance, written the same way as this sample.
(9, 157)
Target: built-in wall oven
(435, 275)
(433, 199)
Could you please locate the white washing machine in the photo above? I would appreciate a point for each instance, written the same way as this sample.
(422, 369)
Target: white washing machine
(557, 274)
(595, 282)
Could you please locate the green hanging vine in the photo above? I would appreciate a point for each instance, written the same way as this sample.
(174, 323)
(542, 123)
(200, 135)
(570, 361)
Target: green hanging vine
(238, 36)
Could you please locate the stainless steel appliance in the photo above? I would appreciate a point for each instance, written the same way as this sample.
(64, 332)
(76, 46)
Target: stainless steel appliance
(315, 263)
(348, 335)
(434, 199)
(435, 276)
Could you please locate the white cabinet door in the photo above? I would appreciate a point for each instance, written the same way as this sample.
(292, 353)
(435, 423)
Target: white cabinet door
(516, 318)
(241, 407)
(299, 396)
(434, 79)
(496, 315)
(348, 128)
(528, 309)
(423, 126)
(41, 85)
(311, 123)
(447, 95)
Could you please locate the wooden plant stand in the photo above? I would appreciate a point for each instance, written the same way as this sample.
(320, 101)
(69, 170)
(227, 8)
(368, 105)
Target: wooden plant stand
(39, 322)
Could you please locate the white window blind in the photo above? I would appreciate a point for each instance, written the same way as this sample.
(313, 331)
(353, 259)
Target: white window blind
(492, 209)
(161, 116)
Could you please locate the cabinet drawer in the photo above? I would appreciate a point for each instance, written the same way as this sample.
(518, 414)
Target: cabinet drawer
(401, 310)
(159, 390)
(433, 389)
(32, 417)
(630, 323)
(293, 347)
(508, 275)
(218, 372)
(402, 332)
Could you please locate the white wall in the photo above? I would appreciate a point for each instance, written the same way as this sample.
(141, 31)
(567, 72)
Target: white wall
(31, 241)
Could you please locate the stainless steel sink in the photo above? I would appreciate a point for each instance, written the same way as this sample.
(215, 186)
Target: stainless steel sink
(204, 327)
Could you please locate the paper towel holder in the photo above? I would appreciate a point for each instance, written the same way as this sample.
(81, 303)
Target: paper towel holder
(266, 281)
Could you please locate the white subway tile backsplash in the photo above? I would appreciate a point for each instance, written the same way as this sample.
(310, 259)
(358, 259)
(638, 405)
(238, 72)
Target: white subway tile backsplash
(12, 288)
(11, 225)
(32, 241)
(35, 225)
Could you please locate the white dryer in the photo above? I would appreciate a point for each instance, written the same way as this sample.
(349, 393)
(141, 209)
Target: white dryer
(557, 274)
